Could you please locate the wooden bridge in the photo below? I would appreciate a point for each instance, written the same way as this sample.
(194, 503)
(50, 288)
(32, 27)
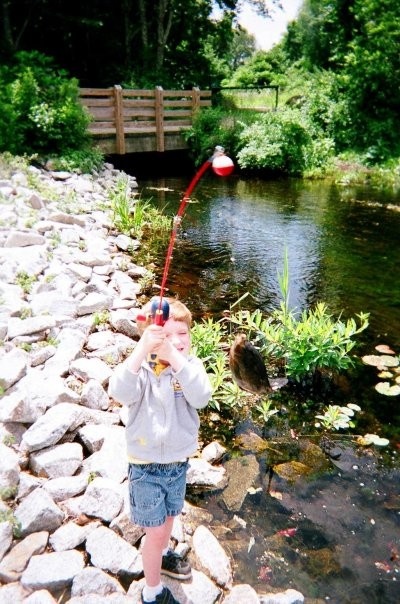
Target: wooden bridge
(136, 121)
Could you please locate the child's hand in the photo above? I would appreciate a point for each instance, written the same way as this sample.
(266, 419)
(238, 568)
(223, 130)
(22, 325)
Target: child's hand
(152, 338)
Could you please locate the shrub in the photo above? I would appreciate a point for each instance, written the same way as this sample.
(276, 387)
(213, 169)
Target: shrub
(39, 108)
(283, 141)
(217, 126)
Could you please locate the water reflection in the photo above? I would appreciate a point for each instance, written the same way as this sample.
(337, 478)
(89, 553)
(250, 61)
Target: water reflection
(343, 247)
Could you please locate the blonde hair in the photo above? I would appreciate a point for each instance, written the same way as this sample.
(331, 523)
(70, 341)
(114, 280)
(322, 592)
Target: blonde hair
(178, 311)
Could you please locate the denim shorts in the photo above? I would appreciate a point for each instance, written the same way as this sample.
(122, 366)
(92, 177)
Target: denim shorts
(156, 490)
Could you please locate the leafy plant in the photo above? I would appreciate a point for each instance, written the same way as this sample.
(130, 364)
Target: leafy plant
(136, 217)
(207, 344)
(8, 516)
(336, 417)
(264, 410)
(308, 342)
(39, 108)
(25, 281)
(283, 141)
(101, 318)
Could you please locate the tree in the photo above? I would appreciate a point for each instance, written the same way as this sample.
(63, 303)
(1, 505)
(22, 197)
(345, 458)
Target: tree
(358, 41)
(145, 42)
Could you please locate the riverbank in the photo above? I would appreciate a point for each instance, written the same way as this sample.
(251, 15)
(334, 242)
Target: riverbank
(70, 291)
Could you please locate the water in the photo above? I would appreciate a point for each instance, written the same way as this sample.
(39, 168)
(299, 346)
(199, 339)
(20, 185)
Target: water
(343, 248)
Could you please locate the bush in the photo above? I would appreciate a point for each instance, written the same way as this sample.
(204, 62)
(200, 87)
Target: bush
(216, 126)
(39, 108)
(282, 141)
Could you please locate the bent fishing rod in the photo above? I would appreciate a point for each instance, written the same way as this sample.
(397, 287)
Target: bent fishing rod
(222, 165)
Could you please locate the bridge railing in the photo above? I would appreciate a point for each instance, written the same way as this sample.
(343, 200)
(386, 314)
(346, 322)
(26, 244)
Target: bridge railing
(128, 120)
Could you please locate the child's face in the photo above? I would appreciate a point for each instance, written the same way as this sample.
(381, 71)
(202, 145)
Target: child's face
(178, 333)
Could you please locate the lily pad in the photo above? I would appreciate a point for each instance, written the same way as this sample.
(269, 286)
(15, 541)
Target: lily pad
(386, 389)
(384, 349)
(372, 439)
(380, 360)
(385, 374)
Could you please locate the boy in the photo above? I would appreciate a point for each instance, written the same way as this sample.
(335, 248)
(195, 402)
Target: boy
(163, 386)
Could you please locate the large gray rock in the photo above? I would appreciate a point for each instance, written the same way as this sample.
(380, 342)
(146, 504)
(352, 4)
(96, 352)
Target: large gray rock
(53, 571)
(38, 512)
(212, 558)
(110, 552)
(57, 461)
(14, 563)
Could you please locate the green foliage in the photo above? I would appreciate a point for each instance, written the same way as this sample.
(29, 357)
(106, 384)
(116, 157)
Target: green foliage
(101, 318)
(39, 108)
(306, 343)
(8, 516)
(336, 417)
(261, 69)
(135, 216)
(264, 410)
(25, 281)
(207, 344)
(84, 161)
(283, 142)
(357, 42)
(215, 126)
(138, 218)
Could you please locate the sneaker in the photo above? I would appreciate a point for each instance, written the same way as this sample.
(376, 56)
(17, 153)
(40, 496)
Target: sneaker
(174, 566)
(165, 597)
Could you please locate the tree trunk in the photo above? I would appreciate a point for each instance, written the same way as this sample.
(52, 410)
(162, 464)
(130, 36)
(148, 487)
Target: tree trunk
(164, 22)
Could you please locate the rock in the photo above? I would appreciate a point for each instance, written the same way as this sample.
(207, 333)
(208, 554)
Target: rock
(242, 474)
(102, 499)
(6, 537)
(57, 461)
(38, 512)
(110, 552)
(42, 596)
(290, 596)
(51, 427)
(240, 594)
(71, 535)
(14, 564)
(13, 367)
(13, 592)
(212, 558)
(93, 580)
(203, 473)
(213, 452)
(9, 472)
(53, 571)
(66, 486)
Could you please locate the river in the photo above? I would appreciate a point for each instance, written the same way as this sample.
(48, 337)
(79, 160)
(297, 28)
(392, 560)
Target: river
(344, 249)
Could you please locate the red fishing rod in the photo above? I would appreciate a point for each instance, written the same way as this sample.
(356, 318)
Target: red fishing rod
(222, 165)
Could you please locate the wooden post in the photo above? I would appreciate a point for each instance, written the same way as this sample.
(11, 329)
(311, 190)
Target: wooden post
(119, 121)
(159, 101)
(195, 100)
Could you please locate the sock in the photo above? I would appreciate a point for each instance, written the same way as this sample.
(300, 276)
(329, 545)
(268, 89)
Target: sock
(165, 551)
(150, 593)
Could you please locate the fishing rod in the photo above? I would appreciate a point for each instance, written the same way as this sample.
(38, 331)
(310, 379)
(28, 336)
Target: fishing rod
(222, 165)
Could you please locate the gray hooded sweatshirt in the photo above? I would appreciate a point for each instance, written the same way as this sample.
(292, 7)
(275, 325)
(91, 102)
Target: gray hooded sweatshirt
(162, 422)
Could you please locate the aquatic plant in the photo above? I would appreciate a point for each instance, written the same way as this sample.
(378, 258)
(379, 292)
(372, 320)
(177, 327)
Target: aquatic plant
(306, 343)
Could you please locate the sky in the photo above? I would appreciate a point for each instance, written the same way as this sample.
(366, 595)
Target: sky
(269, 31)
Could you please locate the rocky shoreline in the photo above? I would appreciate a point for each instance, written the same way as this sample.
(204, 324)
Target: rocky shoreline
(69, 293)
